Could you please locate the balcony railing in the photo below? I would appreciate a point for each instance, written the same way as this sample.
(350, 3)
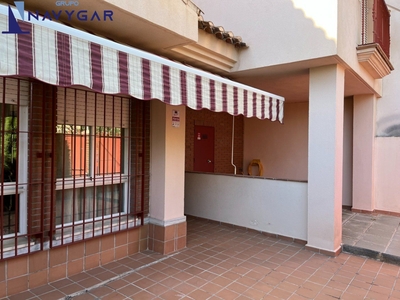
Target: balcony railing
(376, 24)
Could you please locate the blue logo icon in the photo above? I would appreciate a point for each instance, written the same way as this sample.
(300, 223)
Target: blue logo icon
(13, 27)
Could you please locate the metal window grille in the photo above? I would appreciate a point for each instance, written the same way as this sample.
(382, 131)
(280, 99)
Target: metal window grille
(86, 162)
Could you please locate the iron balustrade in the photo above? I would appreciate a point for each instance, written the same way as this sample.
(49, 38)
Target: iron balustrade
(74, 164)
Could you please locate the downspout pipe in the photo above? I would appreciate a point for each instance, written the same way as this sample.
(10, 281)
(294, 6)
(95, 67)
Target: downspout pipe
(233, 140)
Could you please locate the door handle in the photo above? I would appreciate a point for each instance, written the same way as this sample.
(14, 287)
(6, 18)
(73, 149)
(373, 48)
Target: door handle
(209, 161)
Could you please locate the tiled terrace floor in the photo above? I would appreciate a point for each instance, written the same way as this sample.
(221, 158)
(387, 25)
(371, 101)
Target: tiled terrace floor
(225, 262)
(377, 232)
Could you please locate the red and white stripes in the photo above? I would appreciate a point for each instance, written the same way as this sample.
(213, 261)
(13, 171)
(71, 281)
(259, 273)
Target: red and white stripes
(66, 60)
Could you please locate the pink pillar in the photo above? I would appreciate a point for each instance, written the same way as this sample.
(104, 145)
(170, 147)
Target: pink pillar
(325, 159)
(363, 152)
(167, 230)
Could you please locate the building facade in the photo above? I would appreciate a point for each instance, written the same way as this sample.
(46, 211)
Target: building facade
(117, 126)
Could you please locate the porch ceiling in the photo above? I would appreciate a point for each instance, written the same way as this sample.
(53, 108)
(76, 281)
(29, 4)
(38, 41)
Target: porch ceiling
(292, 80)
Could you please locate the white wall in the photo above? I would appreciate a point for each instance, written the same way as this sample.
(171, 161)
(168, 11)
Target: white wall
(387, 174)
(387, 142)
(278, 207)
(388, 107)
(182, 23)
(277, 32)
(282, 148)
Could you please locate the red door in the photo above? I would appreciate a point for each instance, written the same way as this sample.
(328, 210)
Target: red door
(203, 149)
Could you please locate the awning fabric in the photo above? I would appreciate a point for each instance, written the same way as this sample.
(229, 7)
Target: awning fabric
(63, 56)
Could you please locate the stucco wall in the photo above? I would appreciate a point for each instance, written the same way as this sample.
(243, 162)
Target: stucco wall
(387, 142)
(387, 174)
(388, 107)
(264, 23)
(273, 206)
(282, 148)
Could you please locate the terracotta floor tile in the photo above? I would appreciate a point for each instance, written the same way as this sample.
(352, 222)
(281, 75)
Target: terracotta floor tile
(385, 281)
(307, 293)
(237, 287)
(71, 288)
(211, 288)
(255, 275)
(87, 296)
(158, 276)
(89, 282)
(171, 295)
(101, 291)
(196, 281)
(144, 283)
(180, 265)
(228, 262)
(22, 296)
(131, 278)
(231, 275)
(200, 294)
(243, 297)
(222, 281)
(227, 294)
(356, 291)
(295, 280)
(281, 294)
(331, 292)
(181, 276)
(129, 290)
(263, 287)
(79, 277)
(145, 272)
(218, 270)
(286, 286)
(42, 289)
(239, 270)
(52, 295)
(184, 288)
(207, 275)
(120, 269)
(254, 293)
(170, 282)
(171, 271)
(61, 283)
(114, 296)
(381, 290)
(157, 289)
(106, 275)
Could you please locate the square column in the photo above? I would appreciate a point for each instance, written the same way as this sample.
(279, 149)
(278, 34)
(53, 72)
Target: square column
(167, 230)
(325, 158)
(363, 152)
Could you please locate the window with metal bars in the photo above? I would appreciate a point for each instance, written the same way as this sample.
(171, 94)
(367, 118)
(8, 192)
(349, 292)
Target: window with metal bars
(74, 164)
(14, 99)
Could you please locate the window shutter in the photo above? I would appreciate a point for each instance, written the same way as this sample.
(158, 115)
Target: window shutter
(88, 108)
(11, 91)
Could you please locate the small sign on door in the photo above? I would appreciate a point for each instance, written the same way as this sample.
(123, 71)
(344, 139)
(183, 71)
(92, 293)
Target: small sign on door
(176, 121)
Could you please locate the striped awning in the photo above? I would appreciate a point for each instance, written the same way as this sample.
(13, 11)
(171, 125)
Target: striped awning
(63, 56)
